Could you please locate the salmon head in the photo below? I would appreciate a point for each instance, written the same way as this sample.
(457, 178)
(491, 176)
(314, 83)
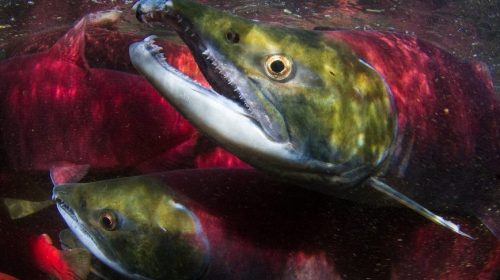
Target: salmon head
(135, 226)
(285, 100)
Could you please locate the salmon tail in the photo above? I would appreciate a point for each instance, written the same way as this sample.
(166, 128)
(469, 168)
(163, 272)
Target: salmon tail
(19, 208)
(413, 205)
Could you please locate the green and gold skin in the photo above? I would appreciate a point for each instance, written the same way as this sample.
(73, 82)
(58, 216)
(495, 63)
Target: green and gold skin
(136, 227)
(297, 103)
(333, 111)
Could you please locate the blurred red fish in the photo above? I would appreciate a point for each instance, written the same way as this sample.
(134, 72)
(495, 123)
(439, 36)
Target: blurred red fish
(4, 276)
(49, 259)
(55, 107)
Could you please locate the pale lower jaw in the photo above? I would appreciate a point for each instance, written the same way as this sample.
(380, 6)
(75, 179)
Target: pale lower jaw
(77, 228)
(214, 114)
(233, 127)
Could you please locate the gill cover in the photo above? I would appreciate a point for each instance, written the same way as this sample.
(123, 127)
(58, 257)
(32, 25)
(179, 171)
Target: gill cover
(286, 100)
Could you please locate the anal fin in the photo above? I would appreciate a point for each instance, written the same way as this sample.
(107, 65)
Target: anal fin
(413, 205)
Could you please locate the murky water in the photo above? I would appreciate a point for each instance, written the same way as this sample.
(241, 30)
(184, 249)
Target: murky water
(82, 102)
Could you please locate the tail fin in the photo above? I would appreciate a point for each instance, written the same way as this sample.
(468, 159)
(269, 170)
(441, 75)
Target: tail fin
(19, 208)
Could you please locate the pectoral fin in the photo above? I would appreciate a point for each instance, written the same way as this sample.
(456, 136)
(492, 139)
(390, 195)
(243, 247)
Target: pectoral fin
(78, 260)
(413, 205)
(68, 240)
(19, 208)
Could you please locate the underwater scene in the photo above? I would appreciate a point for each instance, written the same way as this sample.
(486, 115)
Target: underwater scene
(250, 139)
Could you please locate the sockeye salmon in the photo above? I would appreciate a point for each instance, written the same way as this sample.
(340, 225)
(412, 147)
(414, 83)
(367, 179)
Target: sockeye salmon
(256, 228)
(356, 114)
(77, 110)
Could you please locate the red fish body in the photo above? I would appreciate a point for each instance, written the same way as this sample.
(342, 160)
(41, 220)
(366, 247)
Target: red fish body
(447, 152)
(55, 107)
(260, 228)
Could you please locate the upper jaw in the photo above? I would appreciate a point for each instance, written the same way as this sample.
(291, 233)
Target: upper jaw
(218, 76)
(225, 78)
(232, 115)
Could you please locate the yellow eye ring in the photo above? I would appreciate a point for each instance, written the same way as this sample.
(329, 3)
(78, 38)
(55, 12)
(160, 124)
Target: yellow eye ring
(278, 67)
(108, 220)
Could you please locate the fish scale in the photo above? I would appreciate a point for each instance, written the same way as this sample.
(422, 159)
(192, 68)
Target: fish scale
(429, 127)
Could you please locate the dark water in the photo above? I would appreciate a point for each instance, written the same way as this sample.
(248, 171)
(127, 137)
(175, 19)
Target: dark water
(359, 244)
(469, 29)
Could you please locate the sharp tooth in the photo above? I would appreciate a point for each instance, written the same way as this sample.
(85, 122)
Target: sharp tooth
(156, 48)
(150, 39)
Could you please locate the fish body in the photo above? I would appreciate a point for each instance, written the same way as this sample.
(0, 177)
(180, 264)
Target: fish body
(77, 101)
(448, 114)
(164, 226)
(135, 227)
(350, 113)
(258, 227)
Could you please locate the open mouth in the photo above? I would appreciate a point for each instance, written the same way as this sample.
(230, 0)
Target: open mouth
(62, 205)
(237, 112)
(226, 79)
(92, 240)
(219, 72)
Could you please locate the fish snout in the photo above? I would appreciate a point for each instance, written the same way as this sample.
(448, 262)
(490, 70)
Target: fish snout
(58, 193)
(151, 9)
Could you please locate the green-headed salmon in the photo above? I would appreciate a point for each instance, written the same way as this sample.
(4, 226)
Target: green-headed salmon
(256, 228)
(353, 114)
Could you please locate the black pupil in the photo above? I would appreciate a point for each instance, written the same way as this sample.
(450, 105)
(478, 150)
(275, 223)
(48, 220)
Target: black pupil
(232, 37)
(107, 222)
(277, 66)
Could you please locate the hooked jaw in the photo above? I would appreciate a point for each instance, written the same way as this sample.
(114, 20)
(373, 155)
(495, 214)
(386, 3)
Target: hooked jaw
(334, 124)
(229, 123)
(205, 108)
(190, 21)
(230, 113)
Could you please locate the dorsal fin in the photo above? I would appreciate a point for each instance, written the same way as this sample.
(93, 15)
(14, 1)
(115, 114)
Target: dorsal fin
(66, 172)
(71, 46)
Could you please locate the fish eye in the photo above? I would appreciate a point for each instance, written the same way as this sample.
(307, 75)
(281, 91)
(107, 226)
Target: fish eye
(278, 67)
(108, 220)
(232, 37)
